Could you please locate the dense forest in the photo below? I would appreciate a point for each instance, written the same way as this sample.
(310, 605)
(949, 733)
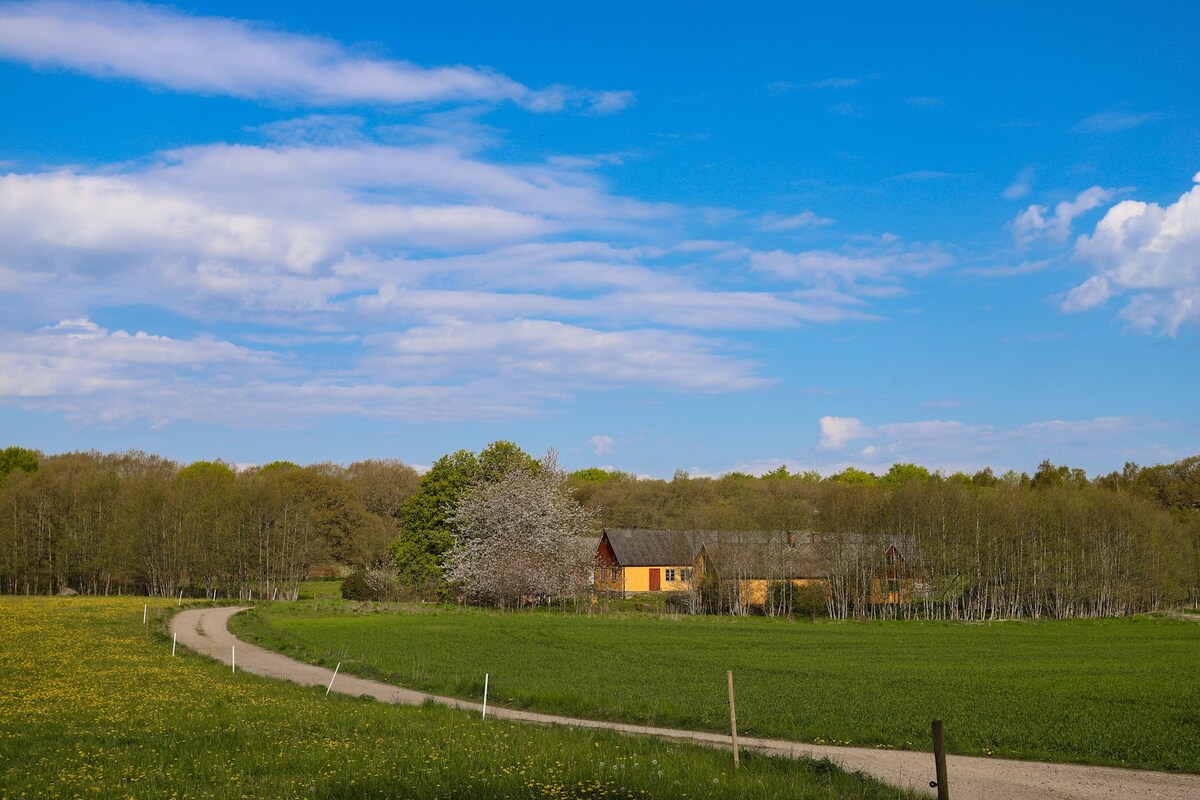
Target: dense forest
(1054, 543)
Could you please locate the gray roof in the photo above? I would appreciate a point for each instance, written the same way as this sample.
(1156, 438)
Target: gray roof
(766, 554)
(640, 547)
(643, 547)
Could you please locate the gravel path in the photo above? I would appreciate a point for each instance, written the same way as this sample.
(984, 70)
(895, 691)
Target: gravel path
(205, 631)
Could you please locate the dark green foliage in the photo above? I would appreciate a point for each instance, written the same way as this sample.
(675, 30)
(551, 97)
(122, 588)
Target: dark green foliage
(355, 587)
(806, 601)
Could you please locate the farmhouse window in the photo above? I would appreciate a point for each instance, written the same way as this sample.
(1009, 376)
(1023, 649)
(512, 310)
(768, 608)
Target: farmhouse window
(670, 576)
(687, 574)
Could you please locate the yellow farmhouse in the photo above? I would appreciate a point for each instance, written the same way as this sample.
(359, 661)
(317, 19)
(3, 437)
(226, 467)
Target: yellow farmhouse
(635, 560)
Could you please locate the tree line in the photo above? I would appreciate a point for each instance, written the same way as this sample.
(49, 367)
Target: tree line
(1051, 543)
(134, 522)
(1054, 543)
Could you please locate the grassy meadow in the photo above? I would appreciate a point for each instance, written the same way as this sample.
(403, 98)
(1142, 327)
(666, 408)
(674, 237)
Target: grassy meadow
(93, 705)
(1120, 692)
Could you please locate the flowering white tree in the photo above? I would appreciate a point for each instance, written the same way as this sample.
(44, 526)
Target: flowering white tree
(518, 538)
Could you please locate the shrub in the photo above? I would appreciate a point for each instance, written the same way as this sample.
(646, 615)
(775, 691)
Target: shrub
(356, 587)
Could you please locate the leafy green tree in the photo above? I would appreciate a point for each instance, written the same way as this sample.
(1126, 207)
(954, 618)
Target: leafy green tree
(500, 458)
(418, 553)
(18, 458)
(855, 477)
(1048, 475)
(598, 475)
(903, 473)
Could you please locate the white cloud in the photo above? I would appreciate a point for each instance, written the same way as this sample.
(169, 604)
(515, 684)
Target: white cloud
(602, 445)
(1009, 270)
(1036, 222)
(1149, 252)
(837, 432)
(805, 219)
(97, 376)
(214, 55)
(856, 268)
(953, 445)
(79, 358)
(1089, 294)
(558, 356)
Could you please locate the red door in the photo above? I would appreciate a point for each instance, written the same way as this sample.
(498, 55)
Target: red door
(655, 579)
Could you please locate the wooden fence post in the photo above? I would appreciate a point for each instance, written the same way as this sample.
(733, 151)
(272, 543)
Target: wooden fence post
(732, 719)
(939, 760)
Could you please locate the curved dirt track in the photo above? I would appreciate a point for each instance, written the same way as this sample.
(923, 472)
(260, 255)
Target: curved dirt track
(205, 631)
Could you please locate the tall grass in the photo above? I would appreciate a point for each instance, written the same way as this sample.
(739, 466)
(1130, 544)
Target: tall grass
(1121, 692)
(93, 705)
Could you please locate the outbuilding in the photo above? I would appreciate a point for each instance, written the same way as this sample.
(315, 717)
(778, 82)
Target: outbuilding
(638, 560)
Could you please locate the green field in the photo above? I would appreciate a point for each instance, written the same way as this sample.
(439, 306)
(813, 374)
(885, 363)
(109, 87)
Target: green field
(93, 705)
(1114, 691)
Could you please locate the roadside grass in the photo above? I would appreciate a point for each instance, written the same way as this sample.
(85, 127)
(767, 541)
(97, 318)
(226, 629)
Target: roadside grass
(93, 705)
(1119, 692)
(320, 590)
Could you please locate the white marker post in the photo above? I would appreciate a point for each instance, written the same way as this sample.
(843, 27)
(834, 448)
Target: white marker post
(331, 680)
(485, 687)
(145, 611)
(174, 639)
(274, 593)
(233, 658)
(180, 598)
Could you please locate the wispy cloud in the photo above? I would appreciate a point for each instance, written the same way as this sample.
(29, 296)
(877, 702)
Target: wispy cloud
(859, 269)
(1115, 121)
(1009, 271)
(602, 445)
(846, 108)
(925, 102)
(1036, 222)
(921, 175)
(824, 83)
(1021, 186)
(165, 48)
(805, 219)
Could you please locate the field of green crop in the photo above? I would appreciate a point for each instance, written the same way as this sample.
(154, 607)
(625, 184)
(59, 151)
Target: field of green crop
(93, 705)
(1121, 692)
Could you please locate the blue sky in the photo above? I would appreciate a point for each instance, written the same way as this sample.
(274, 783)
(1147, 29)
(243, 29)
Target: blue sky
(686, 237)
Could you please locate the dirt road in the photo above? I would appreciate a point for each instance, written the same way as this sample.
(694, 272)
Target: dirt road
(205, 631)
